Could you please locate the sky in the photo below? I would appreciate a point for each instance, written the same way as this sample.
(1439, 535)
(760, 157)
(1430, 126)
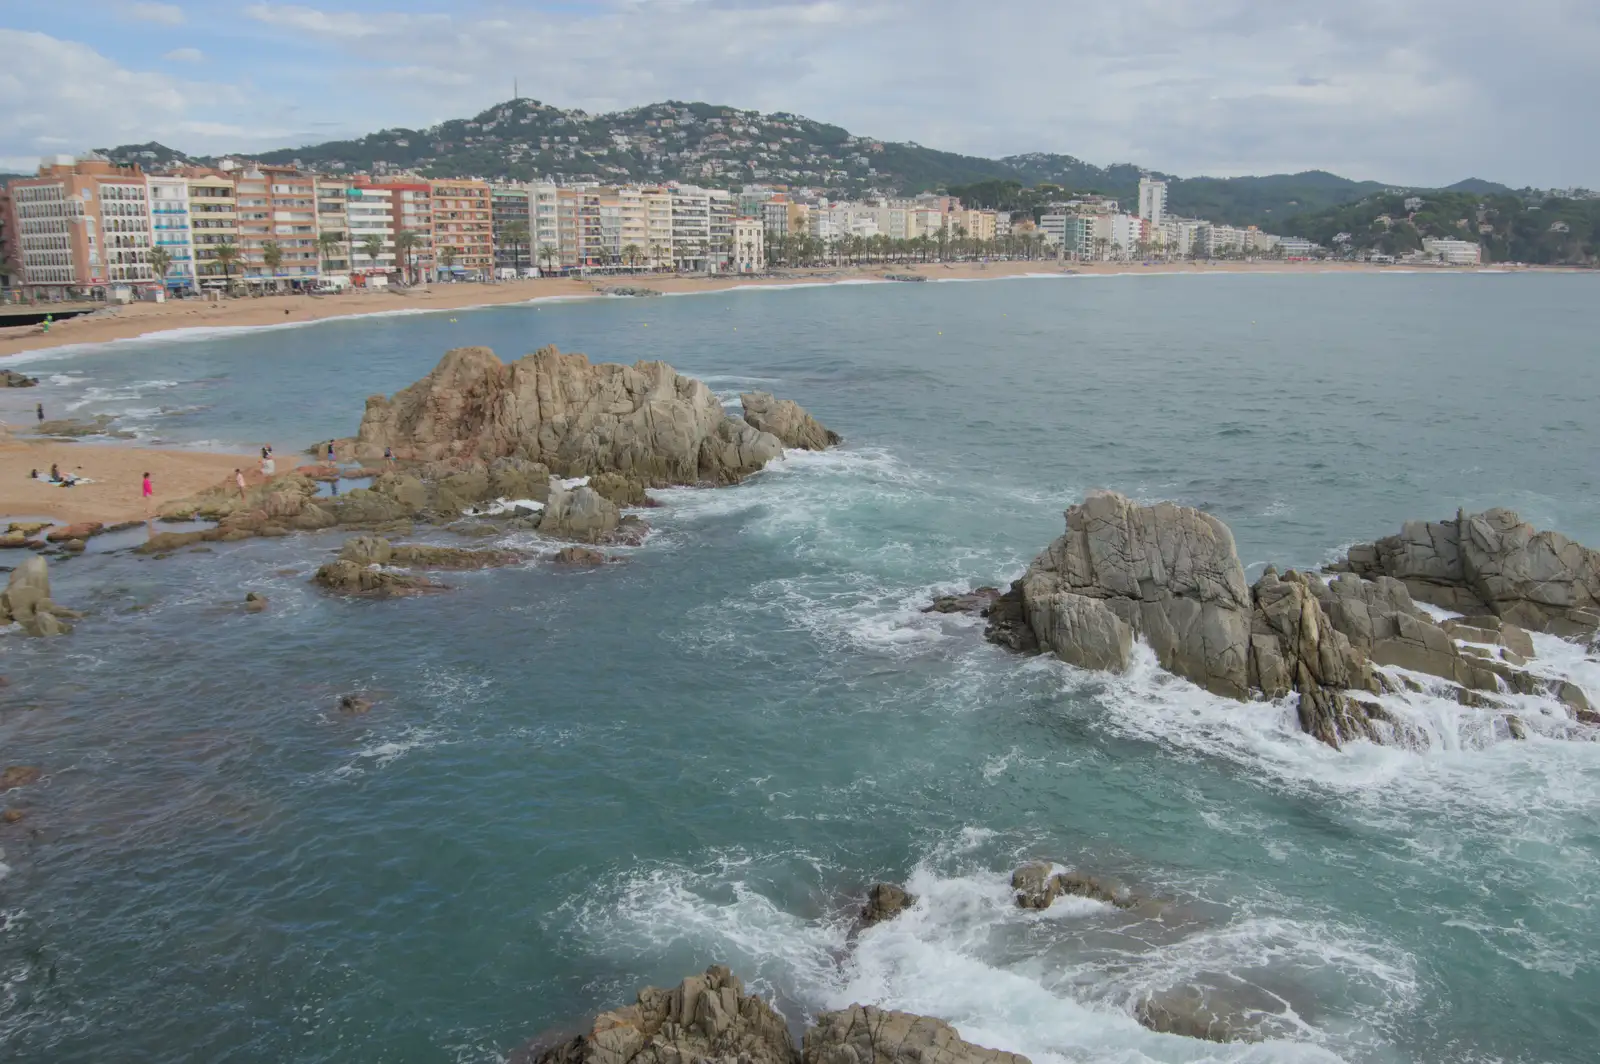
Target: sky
(1410, 92)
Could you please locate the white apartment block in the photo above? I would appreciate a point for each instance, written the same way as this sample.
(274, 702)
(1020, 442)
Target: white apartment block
(1152, 201)
(45, 216)
(333, 195)
(369, 212)
(171, 229)
(749, 252)
(1127, 233)
(125, 242)
(544, 227)
(691, 229)
(1455, 252)
(1222, 239)
(721, 217)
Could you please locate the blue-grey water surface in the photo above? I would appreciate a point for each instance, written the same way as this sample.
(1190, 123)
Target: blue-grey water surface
(577, 783)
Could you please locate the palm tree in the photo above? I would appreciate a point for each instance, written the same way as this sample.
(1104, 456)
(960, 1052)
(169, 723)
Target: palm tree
(272, 258)
(630, 255)
(516, 235)
(226, 255)
(447, 257)
(160, 263)
(328, 242)
(546, 253)
(405, 246)
(372, 247)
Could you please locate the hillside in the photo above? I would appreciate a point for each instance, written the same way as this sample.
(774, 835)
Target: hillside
(728, 147)
(1510, 229)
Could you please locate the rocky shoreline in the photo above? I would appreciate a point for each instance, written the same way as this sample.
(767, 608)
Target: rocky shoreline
(1170, 575)
(551, 444)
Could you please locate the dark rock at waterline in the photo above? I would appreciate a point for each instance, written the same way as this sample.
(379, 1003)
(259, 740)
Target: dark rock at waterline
(863, 1034)
(1008, 622)
(1196, 1012)
(885, 901)
(12, 816)
(579, 556)
(975, 601)
(255, 602)
(10, 378)
(26, 601)
(355, 705)
(1036, 887)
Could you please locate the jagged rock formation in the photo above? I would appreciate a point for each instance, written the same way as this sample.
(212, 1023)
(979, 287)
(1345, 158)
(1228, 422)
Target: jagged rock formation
(863, 1034)
(705, 1018)
(709, 1019)
(1036, 887)
(581, 514)
(1491, 563)
(787, 420)
(26, 601)
(1169, 574)
(580, 419)
(367, 566)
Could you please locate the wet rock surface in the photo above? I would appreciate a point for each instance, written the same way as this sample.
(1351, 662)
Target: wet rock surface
(885, 901)
(26, 601)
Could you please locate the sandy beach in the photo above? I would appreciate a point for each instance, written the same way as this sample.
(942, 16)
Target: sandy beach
(138, 319)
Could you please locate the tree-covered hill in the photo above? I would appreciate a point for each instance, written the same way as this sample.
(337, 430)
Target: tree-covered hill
(1508, 226)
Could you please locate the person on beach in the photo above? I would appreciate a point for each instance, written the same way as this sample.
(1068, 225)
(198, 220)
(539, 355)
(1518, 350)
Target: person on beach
(147, 491)
(38, 408)
(268, 467)
(388, 456)
(238, 478)
(55, 473)
(331, 458)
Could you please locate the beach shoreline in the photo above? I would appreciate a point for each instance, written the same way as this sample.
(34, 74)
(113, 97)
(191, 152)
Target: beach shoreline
(140, 320)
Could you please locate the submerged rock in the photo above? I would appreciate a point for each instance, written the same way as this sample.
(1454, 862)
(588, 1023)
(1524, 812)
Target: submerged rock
(1197, 1012)
(1037, 887)
(977, 601)
(579, 556)
(885, 901)
(355, 705)
(18, 776)
(255, 602)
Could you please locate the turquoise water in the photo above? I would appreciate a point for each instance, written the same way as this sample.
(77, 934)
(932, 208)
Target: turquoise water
(577, 783)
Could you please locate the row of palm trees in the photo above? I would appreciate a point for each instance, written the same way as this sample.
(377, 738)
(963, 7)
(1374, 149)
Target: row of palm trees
(406, 245)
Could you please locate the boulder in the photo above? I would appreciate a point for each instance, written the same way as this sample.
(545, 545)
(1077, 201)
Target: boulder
(863, 1034)
(705, 1018)
(12, 816)
(580, 513)
(1007, 618)
(10, 378)
(82, 530)
(620, 490)
(27, 528)
(255, 602)
(788, 421)
(578, 556)
(1197, 1012)
(1035, 886)
(355, 705)
(349, 578)
(885, 901)
(575, 417)
(26, 600)
(1166, 573)
(1491, 563)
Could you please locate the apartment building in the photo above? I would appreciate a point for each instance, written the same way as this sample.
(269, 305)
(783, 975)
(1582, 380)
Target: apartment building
(333, 225)
(369, 213)
(1152, 200)
(463, 228)
(213, 223)
(10, 257)
(544, 228)
(170, 229)
(691, 228)
(658, 227)
(411, 211)
(511, 218)
(277, 207)
(81, 224)
(721, 216)
(1127, 234)
(749, 251)
(1454, 252)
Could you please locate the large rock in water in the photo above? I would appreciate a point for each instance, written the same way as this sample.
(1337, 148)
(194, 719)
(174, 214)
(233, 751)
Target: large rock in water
(787, 420)
(1169, 574)
(1492, 562)
(1164, 572)
(578, 418)
(26, 600)
(705, 1018)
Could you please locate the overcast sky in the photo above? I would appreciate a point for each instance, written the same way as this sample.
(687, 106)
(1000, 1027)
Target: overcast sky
(1417, 92)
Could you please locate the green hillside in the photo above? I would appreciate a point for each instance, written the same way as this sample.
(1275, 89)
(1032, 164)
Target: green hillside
(1510, 229)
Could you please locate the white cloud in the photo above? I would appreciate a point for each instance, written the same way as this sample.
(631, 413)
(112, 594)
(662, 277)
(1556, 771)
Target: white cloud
(56, 93)
(165, 14)
(184, 55)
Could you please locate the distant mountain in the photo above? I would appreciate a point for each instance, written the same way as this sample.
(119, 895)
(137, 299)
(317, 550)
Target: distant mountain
(1479, 187)
(711, 144)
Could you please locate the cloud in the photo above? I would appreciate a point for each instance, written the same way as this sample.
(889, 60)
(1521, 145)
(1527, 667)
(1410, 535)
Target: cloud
(165, 14)
(56, 93)
(184, 55)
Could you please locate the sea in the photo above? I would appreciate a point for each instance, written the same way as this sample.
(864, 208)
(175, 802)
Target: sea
(577, 783)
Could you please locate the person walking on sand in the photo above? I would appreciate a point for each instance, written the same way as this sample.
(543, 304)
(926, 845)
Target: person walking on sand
(148, 491)
(331, 459)
(38, 408)
(238, 478)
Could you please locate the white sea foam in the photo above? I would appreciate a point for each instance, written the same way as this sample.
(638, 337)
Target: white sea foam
(503, 506)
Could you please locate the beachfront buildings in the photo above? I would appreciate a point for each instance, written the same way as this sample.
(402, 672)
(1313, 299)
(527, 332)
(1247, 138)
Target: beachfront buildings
(81, 224)
(369, 215)
(1454, 252)
(411, 219)
(171, 232)
(1152, 200)
(333, 226)
(511, 215)
(463, 228)
(749, 251)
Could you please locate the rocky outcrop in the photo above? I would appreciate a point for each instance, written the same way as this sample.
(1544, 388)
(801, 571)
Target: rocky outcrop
(1196, 1012)
(26, 601)
(1491, 563)
(705, 1018)
(978, 600)
(1169, 575)
(579, 556)
(10, 378)
(1036, 886)
(863, 1034)
(580, 514)
(348, 578)
(375, 550)
(788, 421)
(885, 901)
(576, 417)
